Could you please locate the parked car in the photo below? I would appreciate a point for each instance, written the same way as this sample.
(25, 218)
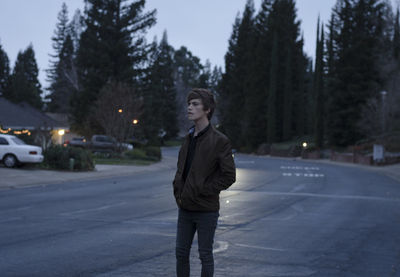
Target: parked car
(14, 151)
(78, 142)
(103, 143)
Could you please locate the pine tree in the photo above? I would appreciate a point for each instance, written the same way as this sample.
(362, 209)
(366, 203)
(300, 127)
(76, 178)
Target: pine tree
(162, 86)
(256, 111)
(111, 48)
(205, 76)
(235, 80)
(62, 74)
(75, 28)
(272, 135)
(24, 84)
(301, 109)
(288, 97)
(226, 97)
(64, 83)
(319, 88)
(287, 68)
(215, 79)
(265, 74)
(151, 119)
(4, 70)
(396, 36)
(60, 34)
(187, 72)
(357, 34)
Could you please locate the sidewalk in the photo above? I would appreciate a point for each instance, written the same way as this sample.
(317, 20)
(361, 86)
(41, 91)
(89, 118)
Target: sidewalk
(21, 177)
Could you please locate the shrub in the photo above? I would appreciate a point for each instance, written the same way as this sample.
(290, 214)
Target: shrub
(58, 157)
(149, 153)
(153, 152)
(136, 154)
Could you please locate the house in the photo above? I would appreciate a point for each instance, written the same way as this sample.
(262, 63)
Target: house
(22, 118)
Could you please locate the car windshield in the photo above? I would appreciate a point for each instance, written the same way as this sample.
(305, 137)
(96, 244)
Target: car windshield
(18, 141)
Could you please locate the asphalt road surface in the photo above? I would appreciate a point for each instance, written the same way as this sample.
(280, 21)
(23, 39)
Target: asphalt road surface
(281, 218)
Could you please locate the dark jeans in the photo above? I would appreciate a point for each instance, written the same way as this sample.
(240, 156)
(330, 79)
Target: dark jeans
(205, 224)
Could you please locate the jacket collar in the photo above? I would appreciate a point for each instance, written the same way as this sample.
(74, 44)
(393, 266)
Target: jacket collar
(191, 131)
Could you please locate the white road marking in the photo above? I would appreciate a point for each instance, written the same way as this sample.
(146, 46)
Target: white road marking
(260, 247)
(300, 167)
(350, 197)
(299, 187)
(221, 246)
(148, 233)
(10, 219)
(309, 175)
(93, 209)
(17, 209)
(244, 162)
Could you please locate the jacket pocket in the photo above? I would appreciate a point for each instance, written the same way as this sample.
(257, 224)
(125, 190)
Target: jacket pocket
(206, 188)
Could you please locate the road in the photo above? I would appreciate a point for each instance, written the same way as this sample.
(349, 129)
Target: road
(281, 218)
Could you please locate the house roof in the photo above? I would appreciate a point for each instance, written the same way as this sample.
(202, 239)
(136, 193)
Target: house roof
(24, 116)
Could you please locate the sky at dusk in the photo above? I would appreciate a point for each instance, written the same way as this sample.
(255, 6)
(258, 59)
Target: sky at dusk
(204, 27)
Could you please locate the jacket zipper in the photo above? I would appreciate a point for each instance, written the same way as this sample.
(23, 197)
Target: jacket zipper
(190, 169)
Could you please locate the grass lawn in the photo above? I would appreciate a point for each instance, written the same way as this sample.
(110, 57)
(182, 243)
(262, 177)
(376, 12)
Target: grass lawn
(116, 161)
(170, 143)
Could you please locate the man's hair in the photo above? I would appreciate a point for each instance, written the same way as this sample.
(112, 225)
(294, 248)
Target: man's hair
(206, 97)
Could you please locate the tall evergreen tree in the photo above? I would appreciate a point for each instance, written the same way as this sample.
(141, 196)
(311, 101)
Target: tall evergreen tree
(272, 135)
(75, 28)
(396, 36)
(357, 34)
(61, 65)
(64, 83)
(58, 38)
(226, 97)
(187, 74)
(4, 70)
(160, 97)
(24, 84)
(286, 70)
(256, 108)
(319, 88)
(235, 80)
(302, 114)
(288, 97)
(265, 71)
(112, 48)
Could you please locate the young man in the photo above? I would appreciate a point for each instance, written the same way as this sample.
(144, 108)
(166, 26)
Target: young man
(205, 167)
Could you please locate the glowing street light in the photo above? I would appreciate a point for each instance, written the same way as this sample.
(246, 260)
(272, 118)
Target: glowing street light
(135, 121)
(305, 144)
(120, 110)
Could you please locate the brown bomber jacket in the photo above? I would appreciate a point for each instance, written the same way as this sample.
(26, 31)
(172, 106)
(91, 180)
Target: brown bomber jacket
(212, 170)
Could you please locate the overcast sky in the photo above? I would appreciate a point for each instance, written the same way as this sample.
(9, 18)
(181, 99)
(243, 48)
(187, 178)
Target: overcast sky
(204, 27)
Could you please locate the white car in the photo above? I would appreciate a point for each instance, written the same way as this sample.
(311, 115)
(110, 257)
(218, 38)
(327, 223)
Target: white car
(14, 151)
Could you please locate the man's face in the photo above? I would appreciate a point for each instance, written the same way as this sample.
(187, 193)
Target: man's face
(196, 110)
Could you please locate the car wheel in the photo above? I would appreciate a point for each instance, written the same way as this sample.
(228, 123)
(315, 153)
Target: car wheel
(10, 160)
